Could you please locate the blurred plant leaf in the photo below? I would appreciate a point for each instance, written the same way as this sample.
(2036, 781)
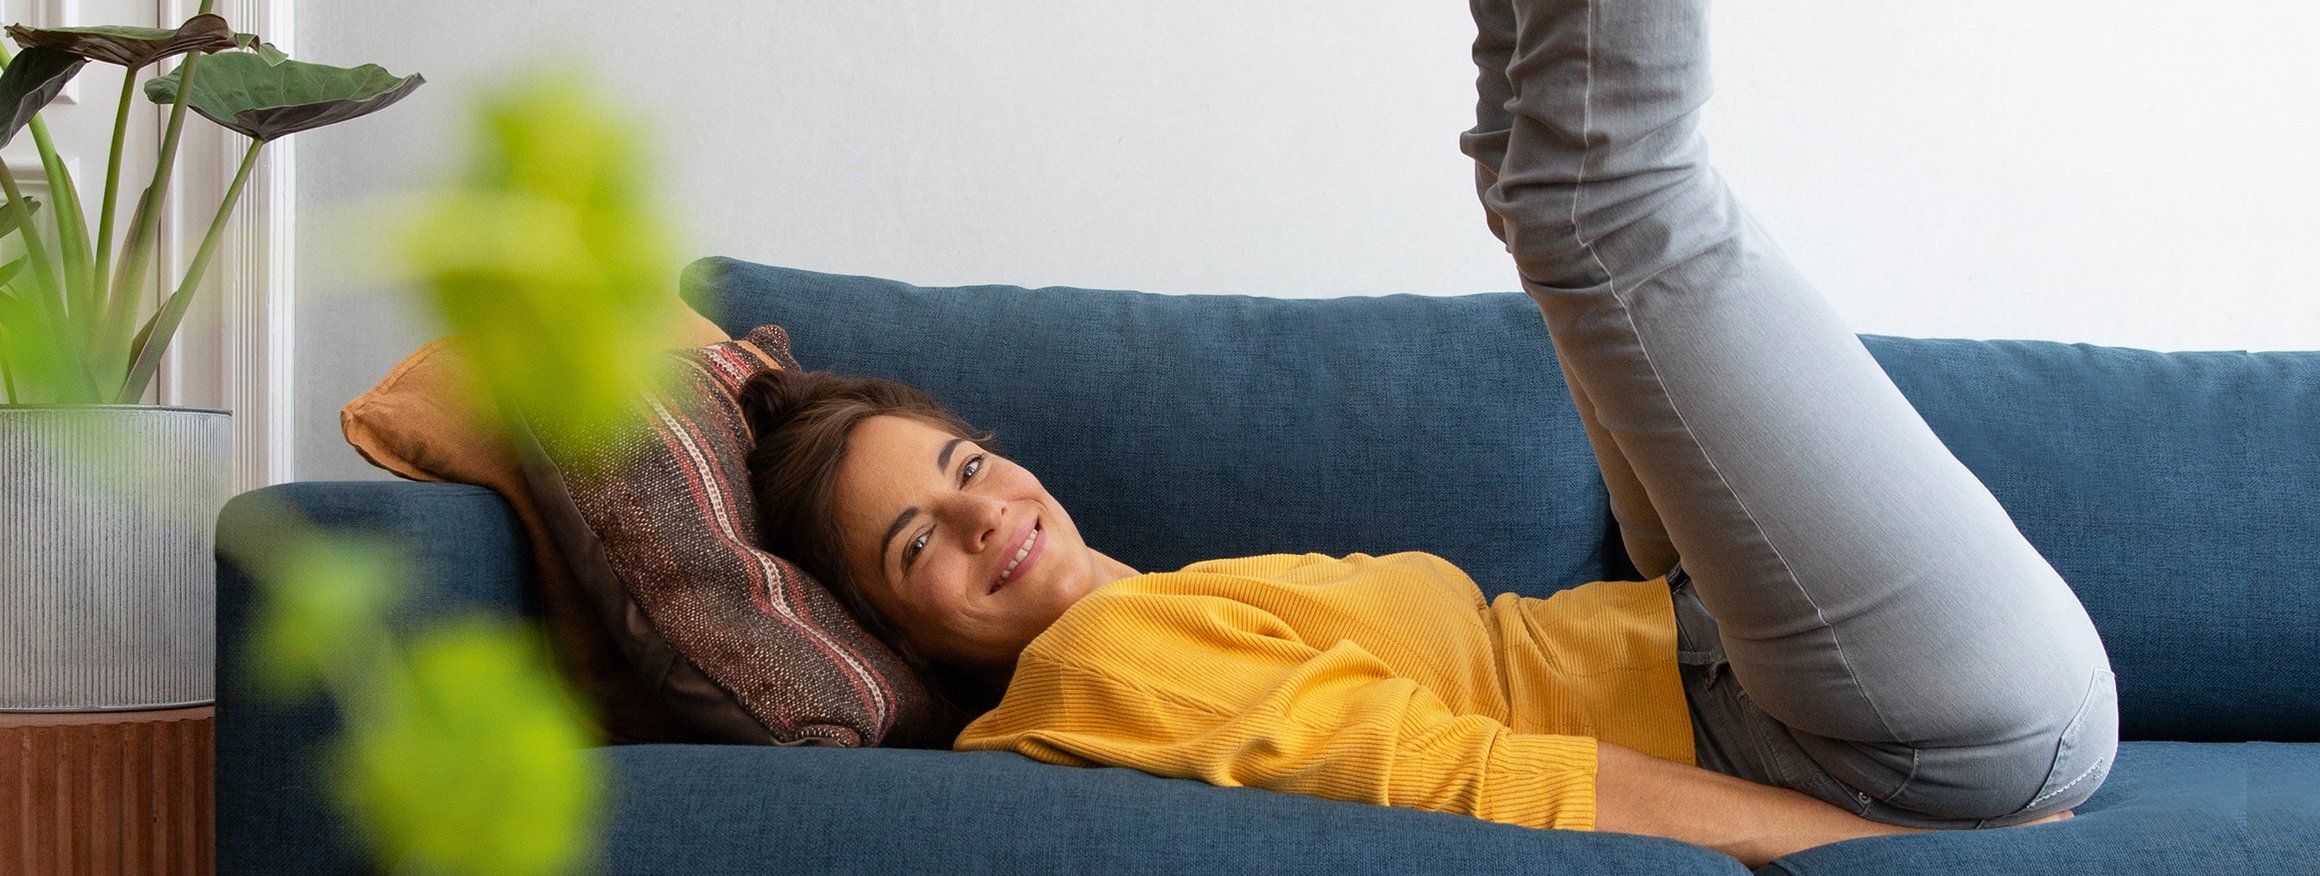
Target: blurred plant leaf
(8, 272)
(549, 262)
(33, 79)
(264, 101)
(473, 759)
(130, 47)
(327, 603)
(45, 365)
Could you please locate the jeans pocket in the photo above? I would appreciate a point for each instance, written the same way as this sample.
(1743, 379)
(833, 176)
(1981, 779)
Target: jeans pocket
(2082, 759)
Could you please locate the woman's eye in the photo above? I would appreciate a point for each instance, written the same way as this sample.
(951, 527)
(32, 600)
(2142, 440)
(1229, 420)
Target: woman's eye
(967, 472)
(911, 551)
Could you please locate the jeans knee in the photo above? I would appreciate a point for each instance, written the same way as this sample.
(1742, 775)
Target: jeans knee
(2045, 761)
(1577, 235)
(2083, 750)
(2052, 761)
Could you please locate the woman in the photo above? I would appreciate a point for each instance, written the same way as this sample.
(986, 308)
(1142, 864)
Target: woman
(1858, 641)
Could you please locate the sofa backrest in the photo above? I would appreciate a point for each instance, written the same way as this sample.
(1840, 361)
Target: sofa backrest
(2179, 493)
(1177, 429)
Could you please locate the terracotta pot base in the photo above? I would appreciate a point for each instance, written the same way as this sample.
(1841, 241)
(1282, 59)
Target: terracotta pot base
(107, 792)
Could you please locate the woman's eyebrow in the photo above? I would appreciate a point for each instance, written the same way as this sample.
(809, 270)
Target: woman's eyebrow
(942, 460)
(942, 463)
(886, 545)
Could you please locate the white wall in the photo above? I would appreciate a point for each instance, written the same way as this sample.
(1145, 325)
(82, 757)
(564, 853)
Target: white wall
(2131, 175)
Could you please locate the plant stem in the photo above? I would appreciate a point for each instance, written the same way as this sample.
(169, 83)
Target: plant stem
(165, 322)
(36, 251)
(72, 225)
(102, 280)
(137, 254)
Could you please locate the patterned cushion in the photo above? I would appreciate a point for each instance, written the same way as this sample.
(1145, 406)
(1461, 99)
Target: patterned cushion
(739, 642)
(431, 419)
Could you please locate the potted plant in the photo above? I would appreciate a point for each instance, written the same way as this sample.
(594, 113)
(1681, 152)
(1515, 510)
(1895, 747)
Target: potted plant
(106, 570)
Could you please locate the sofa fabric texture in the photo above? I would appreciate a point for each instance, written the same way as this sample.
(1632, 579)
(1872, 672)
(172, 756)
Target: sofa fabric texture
(2178, 493)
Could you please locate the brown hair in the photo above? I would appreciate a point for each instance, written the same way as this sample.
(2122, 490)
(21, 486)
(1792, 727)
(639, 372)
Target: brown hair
(800, 422)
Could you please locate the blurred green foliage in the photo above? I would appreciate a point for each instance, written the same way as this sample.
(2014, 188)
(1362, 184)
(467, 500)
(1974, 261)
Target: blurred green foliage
(328, 598)
(550, 262)
(470, 758)
(463, 751)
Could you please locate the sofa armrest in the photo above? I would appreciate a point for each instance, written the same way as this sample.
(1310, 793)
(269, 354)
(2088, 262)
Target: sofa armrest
(468, 553)
(712, 809)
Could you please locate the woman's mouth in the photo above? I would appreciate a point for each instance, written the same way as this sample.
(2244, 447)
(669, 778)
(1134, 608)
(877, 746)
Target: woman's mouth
(1026, 554)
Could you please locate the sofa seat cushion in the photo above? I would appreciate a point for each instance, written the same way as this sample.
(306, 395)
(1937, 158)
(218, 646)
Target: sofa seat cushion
(2168, 807)
(709, 810)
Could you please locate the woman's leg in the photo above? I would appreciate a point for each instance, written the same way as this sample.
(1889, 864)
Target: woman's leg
(1640, 530)
(1872, 595)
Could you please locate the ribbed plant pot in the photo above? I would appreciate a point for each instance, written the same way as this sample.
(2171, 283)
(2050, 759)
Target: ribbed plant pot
(108, 518)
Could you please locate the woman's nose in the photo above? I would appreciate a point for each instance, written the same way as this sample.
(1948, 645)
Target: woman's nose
(979, 518)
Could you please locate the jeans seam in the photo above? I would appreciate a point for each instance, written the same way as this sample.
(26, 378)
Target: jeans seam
(2069, 739)
(1579, 175)
(1916, 760)
(2090, 771)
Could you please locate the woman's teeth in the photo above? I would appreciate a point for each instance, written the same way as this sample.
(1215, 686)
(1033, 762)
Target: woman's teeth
(1019, 555)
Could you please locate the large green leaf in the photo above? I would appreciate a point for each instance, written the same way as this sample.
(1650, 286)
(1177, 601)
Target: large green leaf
(264, 49)
(130, 47)
(32, 80)
(241, 91)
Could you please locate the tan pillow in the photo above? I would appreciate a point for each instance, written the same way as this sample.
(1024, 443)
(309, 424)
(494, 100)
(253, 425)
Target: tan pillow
(429, 420)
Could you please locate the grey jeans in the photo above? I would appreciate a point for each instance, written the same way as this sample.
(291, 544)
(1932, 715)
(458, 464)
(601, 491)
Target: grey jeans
(1869, 627)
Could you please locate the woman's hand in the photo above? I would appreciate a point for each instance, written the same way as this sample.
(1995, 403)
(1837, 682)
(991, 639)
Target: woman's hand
(2064, 815)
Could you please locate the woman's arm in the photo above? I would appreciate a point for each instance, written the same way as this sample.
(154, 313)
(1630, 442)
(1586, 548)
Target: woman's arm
(1638, 793)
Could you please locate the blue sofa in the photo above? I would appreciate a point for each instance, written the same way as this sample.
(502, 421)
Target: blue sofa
(2179, 493)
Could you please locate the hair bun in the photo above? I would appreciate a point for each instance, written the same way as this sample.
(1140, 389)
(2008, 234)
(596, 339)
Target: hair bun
(770, 398)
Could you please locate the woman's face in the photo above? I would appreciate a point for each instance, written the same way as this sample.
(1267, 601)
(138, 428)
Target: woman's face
(963, 549)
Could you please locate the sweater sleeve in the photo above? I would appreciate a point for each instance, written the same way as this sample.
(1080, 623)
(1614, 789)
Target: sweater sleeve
(1217, 690)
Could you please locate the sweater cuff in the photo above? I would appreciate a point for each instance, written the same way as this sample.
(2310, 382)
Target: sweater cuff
(1540, 781)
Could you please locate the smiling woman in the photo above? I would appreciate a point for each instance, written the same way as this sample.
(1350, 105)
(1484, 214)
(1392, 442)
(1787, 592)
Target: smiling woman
(950, 552)
(1808, 661)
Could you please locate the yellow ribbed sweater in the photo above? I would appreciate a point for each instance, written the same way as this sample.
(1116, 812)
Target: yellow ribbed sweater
(1385, 680)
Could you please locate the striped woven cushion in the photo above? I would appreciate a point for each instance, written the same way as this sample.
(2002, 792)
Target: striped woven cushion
(740, 643)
